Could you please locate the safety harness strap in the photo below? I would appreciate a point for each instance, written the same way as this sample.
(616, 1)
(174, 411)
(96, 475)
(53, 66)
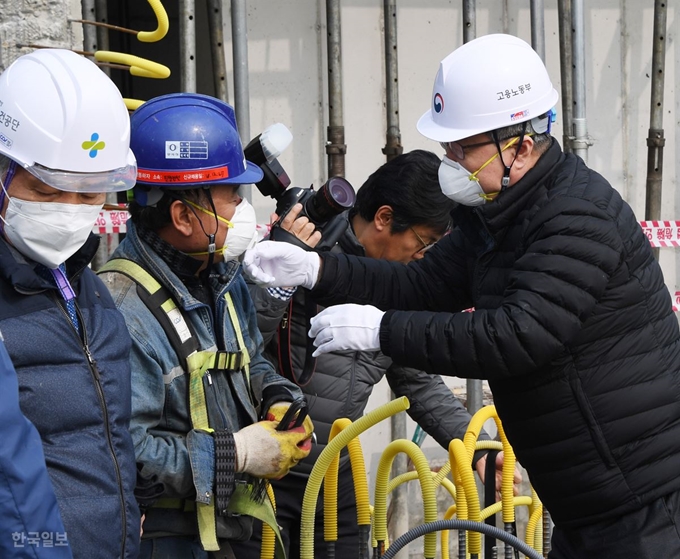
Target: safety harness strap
(182, 337)
(159, 301)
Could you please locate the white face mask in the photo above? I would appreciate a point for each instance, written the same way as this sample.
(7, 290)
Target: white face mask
(243, 234)
(460, 185)
(48, 232)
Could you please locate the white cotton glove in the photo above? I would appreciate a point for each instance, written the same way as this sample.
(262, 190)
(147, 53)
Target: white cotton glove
(346, 328)
(262, 451)
(279, 264)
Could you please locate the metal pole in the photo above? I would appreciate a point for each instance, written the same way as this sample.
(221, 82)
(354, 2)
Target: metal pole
(219, 65)
(469, 20)
(187, 41)
(656, 140)
(566, 73)
(239, 37)
(473, 386)
(335, 144)
(537, 10)
(581, 140)
(398, 517)
(393, 145)
(89, 31)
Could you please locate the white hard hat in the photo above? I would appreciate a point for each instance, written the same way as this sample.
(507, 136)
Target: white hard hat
(64, 120)
(489, 83)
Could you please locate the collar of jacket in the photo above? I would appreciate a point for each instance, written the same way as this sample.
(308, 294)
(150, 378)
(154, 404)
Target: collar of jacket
(134, 248)
(482, 224)
(19, 271)
(349, 242)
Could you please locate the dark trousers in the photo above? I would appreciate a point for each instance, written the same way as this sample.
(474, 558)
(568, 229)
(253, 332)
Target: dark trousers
(289, 493)
(652, 532)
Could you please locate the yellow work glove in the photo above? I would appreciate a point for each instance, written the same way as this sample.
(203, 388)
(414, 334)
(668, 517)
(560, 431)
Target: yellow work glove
(262, 451)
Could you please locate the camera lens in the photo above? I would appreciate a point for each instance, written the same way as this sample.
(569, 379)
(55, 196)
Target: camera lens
(333, 198)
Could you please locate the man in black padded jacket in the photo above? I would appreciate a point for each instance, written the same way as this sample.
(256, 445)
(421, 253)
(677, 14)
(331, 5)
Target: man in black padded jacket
(573, 326)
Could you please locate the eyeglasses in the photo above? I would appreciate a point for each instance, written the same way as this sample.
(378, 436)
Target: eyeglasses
(458, 149)
(425, 247)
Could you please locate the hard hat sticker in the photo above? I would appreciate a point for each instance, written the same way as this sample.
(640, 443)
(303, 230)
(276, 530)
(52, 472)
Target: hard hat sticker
(178, 149)
(5, 141)
(94, 145)
(438, 103)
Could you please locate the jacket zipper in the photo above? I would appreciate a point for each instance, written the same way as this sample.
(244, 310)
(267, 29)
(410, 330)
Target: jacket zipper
(94, 370)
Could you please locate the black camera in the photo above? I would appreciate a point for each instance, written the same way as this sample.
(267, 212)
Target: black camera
(324, 207)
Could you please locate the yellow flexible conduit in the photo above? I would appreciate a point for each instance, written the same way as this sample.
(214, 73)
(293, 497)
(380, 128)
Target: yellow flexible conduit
(471, 436)
(140, 67)
(445, 533)
(412, 450)
(534, 534)
(163, 24)
(330, 488)
(324, 460)
(446, 483)
(268, 537)
(465, 485)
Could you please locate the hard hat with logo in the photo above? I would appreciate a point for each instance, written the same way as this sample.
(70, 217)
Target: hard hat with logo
(187, 140)
(64, 120)
(491, 82)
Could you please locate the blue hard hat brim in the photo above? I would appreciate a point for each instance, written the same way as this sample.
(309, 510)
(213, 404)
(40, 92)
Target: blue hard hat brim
(252, 174)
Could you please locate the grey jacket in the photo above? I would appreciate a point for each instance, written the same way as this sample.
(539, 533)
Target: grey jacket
(343, 381)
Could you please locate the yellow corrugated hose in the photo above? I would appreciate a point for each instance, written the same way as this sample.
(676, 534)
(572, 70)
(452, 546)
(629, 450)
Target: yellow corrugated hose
(324, 460)
(268, 537)
(426, 484)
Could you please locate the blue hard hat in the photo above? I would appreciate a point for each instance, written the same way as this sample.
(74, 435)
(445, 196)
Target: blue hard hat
(187, 140)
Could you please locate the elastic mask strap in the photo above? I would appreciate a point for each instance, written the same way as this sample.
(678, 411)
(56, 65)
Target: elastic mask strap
(219, 217)
(491, 195)
(11, 171)
(505, 182)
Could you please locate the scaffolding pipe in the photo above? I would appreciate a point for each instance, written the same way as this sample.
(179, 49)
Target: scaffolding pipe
(469, 20)
(474, 386)
(219, 64)
(89, 31)
(566, 73)
(393, 145)
(398, 518)
(335, 144)
(187, 41)
(537, 10)
(239, 37)
(656, 140)
(101, 11)
(580, 131)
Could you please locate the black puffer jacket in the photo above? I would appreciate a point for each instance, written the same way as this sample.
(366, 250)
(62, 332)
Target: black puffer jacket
(343, 381)
(573, 327)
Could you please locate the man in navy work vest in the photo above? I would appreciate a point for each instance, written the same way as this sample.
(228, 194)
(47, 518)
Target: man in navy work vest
(63, 146)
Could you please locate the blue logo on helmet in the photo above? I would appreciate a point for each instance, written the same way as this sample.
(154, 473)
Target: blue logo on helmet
(438, 103)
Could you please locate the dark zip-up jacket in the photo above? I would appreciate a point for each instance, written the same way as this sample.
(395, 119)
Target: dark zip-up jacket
(573, 327)
(77, 394)
(343, 381)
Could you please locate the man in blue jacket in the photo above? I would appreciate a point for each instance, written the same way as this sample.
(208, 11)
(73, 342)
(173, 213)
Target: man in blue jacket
(573, 324)
(28, 506)
(63, 145)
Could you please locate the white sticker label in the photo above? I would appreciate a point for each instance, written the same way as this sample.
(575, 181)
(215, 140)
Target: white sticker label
(180, 325)
(186, 149)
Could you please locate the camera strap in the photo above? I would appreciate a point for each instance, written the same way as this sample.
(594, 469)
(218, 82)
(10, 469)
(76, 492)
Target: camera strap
(286, 367)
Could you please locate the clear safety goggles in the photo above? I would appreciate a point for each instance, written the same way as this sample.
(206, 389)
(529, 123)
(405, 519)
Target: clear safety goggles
(115, 180)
